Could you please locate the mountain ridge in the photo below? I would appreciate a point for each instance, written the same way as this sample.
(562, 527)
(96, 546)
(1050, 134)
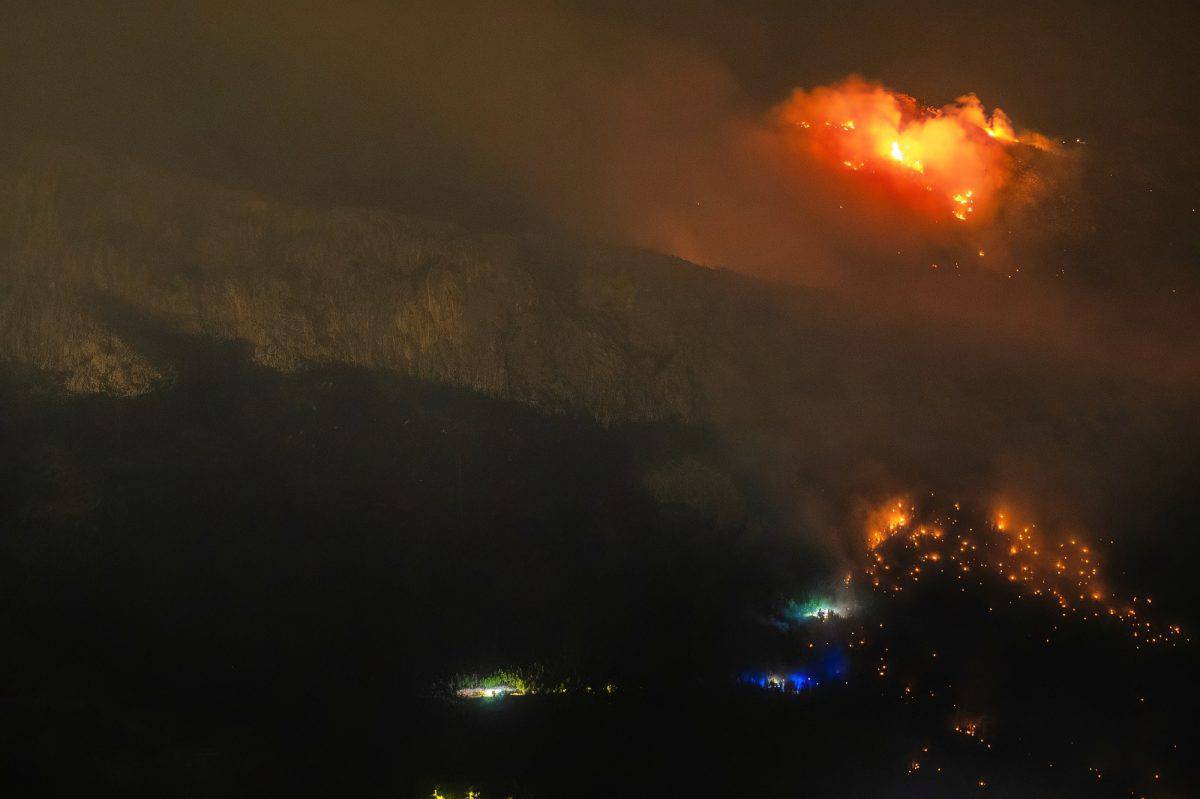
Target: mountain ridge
(621, 334)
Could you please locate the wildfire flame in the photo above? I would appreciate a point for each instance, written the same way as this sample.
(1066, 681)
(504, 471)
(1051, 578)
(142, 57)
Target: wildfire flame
(956, 157)
(887, 520)
(906, 546)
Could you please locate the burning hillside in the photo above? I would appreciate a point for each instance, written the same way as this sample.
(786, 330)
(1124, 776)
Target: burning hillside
(1060, 570)
(954, 160)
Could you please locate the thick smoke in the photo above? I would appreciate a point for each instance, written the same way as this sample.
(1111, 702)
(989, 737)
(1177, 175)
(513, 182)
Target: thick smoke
(495, 114)
(621, 129)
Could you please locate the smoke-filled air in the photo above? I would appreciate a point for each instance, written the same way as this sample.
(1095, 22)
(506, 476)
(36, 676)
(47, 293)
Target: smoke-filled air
(599, 399)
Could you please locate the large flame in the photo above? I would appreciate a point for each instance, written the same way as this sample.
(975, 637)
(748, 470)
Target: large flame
(953, 160)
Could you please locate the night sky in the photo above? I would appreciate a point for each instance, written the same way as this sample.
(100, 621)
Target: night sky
(332, 100)
(789, 397)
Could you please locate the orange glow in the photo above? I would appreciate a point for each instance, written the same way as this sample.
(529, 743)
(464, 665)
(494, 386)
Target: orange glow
(953, 160)
(887, 520)
(910, 545)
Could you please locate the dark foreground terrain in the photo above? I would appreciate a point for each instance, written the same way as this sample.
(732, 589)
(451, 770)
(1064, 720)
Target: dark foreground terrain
(258, 583)
(275, 481)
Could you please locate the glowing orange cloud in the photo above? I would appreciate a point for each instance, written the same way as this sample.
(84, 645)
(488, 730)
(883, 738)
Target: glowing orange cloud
(952, 160)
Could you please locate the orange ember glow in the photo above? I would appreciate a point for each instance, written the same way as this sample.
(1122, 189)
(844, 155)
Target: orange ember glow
(907, 545)
(887, 520)
(953, 160)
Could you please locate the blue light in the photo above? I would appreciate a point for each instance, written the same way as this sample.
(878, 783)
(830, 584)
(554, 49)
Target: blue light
(790, 683)
(834, 663)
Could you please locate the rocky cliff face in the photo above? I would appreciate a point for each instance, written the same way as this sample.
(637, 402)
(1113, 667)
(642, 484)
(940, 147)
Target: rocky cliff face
(622, 335)
(105, 263)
